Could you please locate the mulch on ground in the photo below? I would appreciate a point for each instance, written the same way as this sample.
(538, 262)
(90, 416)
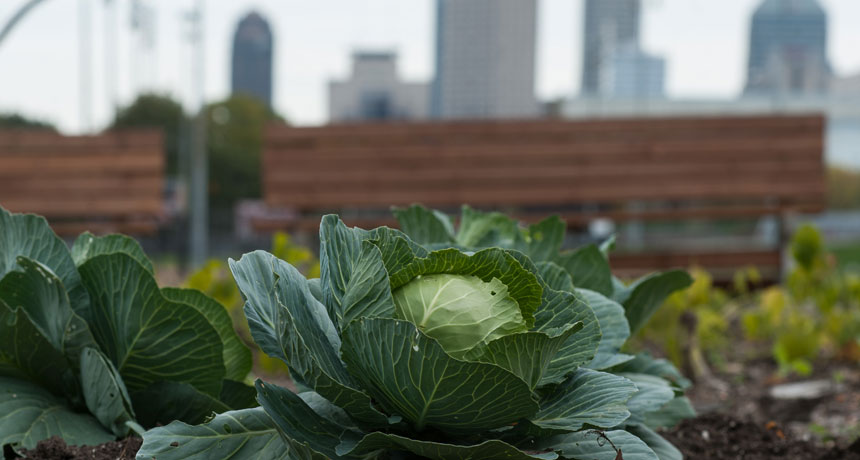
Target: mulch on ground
(56, 449)
(722, 437)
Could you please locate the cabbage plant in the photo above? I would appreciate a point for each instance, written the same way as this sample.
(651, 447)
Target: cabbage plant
(441, 351)
(91, 349)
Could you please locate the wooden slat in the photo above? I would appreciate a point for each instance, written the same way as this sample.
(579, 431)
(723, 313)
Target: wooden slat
(617, 128)
(538, 194)
(85, 207)
(108, 182)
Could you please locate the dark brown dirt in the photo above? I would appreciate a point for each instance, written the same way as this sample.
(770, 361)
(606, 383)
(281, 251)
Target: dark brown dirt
(56, 449)
(722, 437)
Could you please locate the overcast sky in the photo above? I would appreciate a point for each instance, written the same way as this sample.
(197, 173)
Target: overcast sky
(704, 41)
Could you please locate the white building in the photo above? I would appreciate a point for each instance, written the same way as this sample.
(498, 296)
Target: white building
(631, 73)
(375, 92)
(485, 59)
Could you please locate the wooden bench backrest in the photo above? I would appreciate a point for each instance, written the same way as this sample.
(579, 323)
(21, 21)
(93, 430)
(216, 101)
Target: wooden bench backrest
(107, 182)
(773, 160)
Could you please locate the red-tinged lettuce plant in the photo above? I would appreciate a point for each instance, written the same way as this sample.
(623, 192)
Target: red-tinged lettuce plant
(442, 350)
(92, 350)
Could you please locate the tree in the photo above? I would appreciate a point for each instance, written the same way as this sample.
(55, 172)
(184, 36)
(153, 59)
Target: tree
(235, 141)
(156, 111)
(16, 121)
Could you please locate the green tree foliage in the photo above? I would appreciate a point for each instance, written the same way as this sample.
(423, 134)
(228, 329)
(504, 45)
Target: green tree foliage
(156, 111)
(16, 121)
(843, 188)
(235, 129)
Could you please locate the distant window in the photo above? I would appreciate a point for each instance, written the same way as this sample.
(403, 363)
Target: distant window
(375, 105)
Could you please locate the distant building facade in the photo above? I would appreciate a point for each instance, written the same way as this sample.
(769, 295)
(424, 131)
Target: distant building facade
(610, 25)
(485, 59)
(252, 58)
(630, 73)
(788, 49)
(375, 92)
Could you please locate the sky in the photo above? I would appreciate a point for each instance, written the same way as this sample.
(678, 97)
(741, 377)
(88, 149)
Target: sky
(704, 42)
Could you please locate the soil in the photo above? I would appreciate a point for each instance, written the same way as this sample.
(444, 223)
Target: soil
(723, 437)
(56, 449)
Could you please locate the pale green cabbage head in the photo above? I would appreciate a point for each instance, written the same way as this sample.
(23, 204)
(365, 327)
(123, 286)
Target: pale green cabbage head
(462, 312)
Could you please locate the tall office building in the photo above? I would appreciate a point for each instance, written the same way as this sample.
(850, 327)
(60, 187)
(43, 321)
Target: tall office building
(610, 25)
(374, 92)
(485, 59)
(252, 58)
(632, 74)
(788, 48)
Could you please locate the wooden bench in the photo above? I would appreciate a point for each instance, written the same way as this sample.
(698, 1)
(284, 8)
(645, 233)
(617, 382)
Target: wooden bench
(623, 169)
(110, 182)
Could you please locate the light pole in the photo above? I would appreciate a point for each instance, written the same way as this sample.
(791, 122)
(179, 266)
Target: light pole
(199, 209)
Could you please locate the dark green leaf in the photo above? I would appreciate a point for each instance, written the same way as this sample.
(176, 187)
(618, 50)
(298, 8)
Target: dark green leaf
(492, 449)
(41, 338)
(287, 322)
(644, 363)
(340, 251)
(296, 421)
(163, 402)
(237, 395)
(425, 226)
(653, 393)
(146, 336)
(587, 398)
(560, 309)
(660, 446)
(600, 445)
(105, 393)
(30, 236)
(613, 327)
(397, 249)
(554, 276)
(527, 355)
(486, 229)
(368, 292)
(29, 414)
(237, 357)
(410, 375)
(88, 246)
(648, 293)
(671, 413)
(247, 433)
(544, 239)
(588, 268)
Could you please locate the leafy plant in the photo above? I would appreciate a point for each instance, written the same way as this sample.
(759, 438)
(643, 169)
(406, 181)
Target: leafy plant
(447, 345)
(816, 313)
(691, 327)
(214, 279)
(92, 349)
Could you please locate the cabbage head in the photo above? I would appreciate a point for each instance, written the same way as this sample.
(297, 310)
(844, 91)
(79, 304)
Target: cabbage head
(410, 348)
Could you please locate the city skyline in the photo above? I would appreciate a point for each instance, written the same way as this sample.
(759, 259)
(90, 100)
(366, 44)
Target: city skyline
(315, 46)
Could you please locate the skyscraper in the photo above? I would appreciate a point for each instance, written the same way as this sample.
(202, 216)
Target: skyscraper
(485, 59)
(788, 48)
(609, 26)
(252, 58)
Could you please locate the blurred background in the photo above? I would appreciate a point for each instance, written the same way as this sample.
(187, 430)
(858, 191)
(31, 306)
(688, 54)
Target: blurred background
(211, 75)
(717, 136)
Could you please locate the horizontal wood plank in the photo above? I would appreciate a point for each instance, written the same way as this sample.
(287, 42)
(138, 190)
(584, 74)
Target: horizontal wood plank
(108, 182)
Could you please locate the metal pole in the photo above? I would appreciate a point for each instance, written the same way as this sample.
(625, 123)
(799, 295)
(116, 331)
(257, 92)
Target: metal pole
(84, 66)
(199, 231)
